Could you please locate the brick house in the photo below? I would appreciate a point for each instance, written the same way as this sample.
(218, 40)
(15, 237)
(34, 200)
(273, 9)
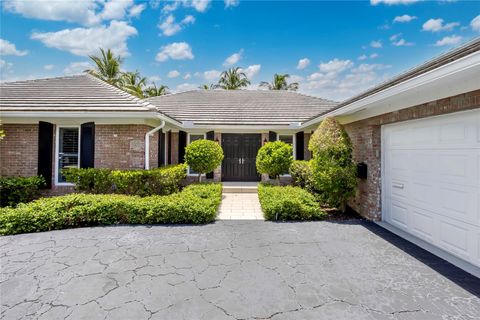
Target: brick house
(416, 135)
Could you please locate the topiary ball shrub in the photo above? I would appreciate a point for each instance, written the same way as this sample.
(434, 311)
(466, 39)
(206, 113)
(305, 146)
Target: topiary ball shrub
(203, 156)
(333, 169)
(274, 159)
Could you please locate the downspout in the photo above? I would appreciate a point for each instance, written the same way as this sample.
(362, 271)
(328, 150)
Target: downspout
(147, 143)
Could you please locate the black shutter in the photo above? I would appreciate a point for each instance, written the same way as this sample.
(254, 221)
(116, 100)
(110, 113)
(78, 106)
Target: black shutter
(300, 145)
(161, 148)
(210, 136)
(182, 143)
(169, 149)
(45, 152)
(87, 145)
(272, 136)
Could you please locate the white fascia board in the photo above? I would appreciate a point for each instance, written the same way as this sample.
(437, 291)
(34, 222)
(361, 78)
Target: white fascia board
(451, 79)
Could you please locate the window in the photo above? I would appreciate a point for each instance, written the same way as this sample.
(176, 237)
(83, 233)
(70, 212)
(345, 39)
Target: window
(191, 138)
(67, 150)
(288, 139)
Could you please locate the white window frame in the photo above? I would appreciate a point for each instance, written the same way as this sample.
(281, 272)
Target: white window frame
(294, 147)
(188, 142)
(57, 149)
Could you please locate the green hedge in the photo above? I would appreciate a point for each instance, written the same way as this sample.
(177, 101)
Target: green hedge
(14, 190)
(288, 203)
(160, 181)
(194, 204)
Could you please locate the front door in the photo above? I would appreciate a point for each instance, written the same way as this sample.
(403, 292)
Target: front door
(240, 152)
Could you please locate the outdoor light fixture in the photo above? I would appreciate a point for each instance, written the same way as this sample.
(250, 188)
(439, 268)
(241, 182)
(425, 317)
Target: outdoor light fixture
(265, 141)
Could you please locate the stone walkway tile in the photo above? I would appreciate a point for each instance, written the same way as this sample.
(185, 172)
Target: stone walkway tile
(240, 206)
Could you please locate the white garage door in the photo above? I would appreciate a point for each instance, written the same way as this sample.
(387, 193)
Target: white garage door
(431, 181)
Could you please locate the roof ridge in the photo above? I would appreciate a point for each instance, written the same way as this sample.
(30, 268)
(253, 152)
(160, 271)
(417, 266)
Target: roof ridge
(43, 79)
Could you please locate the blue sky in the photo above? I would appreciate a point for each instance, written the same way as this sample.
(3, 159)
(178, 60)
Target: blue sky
(333, 49)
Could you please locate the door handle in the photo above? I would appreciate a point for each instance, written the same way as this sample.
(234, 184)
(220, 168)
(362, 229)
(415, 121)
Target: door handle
(398, 185)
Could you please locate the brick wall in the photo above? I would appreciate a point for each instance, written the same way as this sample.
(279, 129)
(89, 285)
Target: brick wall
(123, 146)
(19, 150)
(365, 135)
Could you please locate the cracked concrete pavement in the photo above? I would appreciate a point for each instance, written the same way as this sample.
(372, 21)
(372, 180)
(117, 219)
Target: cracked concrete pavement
(230, 270)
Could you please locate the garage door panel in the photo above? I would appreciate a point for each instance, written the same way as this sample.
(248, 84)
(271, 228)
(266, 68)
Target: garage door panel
(431, 185)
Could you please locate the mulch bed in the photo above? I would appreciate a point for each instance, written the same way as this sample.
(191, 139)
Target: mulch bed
(336, 215)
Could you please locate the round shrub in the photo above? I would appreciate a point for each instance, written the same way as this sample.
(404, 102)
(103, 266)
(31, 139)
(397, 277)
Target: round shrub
(301, 172)
(333, 170)
(274, 158)
(203, 156)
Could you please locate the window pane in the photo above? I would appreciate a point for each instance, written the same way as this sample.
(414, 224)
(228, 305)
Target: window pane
(286, 138)
(67, 150)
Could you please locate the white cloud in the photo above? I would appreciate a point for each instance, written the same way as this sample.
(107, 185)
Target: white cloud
(116, 9)
(392, 2)
(170, 6)
(448, 41)
(233, 59)
(252, 70)
(362, 57)
(376, 44)
(475, 23)
(303, 63)
(365, 67)
(82, 12)
(295, 78)
(173, 74)
(186, 87)
(231, 3)
(5, 67)
(87, 41)
(200, 5)
(9, 49)
(154, 78)
(76, 68)
(373, 55)
(136, 10)
(404, 18)
(402, 43)
(211, 75)
(435, 25)
(48, 67)
(170, 27)
(335, 66)
(175, 51)
(187, 76)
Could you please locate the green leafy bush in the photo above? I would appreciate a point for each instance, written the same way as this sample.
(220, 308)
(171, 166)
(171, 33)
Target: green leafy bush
(301, 173)
(333, 169)
(203, 156)
(159, 181)
(194, 204)
(274, 158)
(14, 190)
(288, 203)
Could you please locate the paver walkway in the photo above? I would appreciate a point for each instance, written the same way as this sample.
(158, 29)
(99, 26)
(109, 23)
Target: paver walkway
(240, 206)
(230, 270)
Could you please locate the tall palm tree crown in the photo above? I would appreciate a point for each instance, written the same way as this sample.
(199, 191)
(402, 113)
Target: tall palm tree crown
(107, 67)
(233, 79)
(132, 83)
(280, 83)
(154, 91)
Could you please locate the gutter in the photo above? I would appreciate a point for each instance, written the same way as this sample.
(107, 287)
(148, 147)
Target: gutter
(147, 143)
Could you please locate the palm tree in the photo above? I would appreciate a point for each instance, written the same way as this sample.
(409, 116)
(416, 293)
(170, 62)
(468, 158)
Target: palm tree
(232, 79)
(107, 67)
(280, 83)
(132, 83)
(206, 86)
(154, 91)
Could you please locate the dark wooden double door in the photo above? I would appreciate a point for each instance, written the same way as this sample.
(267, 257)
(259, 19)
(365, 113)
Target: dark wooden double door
(240, 153)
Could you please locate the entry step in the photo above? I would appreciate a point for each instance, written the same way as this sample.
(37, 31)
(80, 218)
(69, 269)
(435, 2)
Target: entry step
(240, 187)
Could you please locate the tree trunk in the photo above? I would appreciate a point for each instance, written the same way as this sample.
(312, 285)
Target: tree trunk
(199, 177)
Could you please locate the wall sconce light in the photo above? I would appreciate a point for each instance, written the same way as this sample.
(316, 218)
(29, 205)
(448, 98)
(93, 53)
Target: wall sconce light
(265, 140)
(217, 141)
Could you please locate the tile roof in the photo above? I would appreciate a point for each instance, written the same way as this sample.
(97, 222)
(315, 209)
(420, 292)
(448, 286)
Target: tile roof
(64, 94)
(241, 107)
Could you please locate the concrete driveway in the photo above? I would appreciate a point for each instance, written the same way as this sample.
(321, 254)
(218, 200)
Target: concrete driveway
(230, 270)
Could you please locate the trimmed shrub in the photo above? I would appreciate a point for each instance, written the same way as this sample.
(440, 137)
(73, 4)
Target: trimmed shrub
(274, 158)
(333, 169)
(14, 190)
(301, 172)
(288, 203)
(159, 181)
(194, 204)
(203, 156)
